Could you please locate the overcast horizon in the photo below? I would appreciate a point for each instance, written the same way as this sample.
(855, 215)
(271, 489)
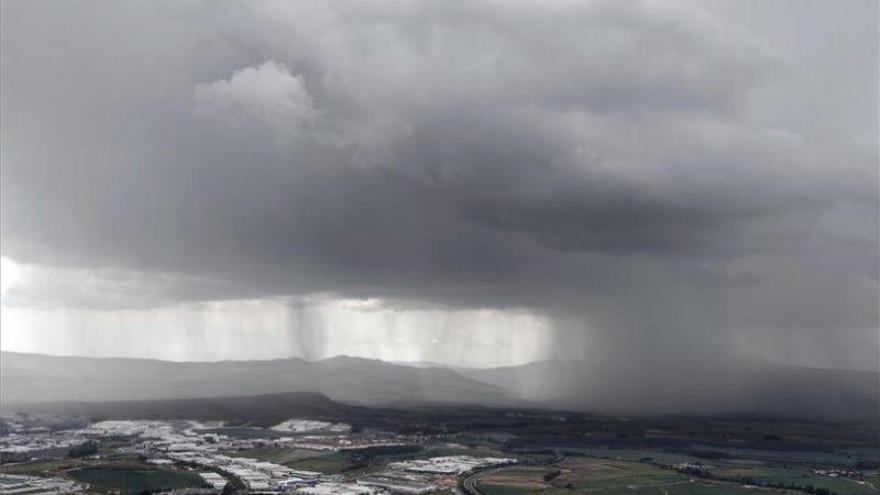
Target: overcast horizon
(469, 183)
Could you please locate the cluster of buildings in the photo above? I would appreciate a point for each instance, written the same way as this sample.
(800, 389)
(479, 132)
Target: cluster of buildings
(24, 439)
(422, 476)
(338, 443)
(197, 445)
(35, 447)
(254, 474)
(310, 426)
(13, 484)
(839, 473)
(692, 467)
(407, 477)
(196, 436)
(400, 484)
(142, 428)
(187, 444)
(332, 488)
(212, 450)
(449, 465)
(214, 480)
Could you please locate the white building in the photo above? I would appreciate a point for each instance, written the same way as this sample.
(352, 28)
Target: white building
(338, 489)
(214, 479)
(398, 485)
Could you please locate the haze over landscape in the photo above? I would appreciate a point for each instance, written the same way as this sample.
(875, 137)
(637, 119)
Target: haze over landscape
(617, 206)
(439, 247)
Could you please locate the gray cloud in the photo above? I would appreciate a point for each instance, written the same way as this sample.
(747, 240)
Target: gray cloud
(616, 165)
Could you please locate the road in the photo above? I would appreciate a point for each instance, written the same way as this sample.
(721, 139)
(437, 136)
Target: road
(470, 483)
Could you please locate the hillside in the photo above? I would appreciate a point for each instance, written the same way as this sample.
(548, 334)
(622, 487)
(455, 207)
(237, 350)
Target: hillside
(40, 378)
(258, 410)
(754, 387)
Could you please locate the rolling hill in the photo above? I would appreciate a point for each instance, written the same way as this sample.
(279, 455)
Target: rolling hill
(753, 387)
(39, 378)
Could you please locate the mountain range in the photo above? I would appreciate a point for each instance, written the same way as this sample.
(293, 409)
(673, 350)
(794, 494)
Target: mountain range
(753, 387)
(38, 378)
(738, 386)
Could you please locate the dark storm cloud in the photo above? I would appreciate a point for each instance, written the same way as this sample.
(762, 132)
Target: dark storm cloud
(599, 162)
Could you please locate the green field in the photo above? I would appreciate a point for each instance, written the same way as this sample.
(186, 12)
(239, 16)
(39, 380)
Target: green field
(130, 481)
(761, 467)
(336, 462)
(590, 474)
(501, 489)
(677, 488)
(797, 477)
(698, 488)
(278, 455)
(612, 477)
(46, 468)
(58, 467)
(635, 455)
(577, 474)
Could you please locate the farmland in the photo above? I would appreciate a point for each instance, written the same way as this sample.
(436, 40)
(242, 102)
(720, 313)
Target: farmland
(602, 476)
(579, 474)
(280, 455)
(554, 453)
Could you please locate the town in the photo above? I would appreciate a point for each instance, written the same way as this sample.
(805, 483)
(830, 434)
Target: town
(217, 453)
(431, 451)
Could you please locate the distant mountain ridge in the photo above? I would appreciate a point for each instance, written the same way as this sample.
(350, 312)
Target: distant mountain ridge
(753, 387)
(41, 378)
(736, 386)
(260, 410)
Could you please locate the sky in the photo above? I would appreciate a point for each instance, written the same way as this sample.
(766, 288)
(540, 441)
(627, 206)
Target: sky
(475, 183)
